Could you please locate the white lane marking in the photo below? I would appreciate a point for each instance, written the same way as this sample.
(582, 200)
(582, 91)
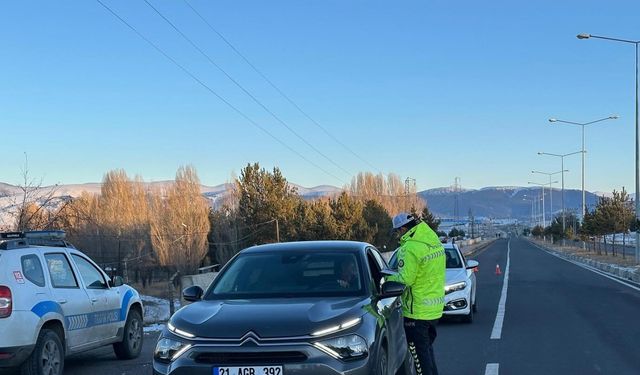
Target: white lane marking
(492, 369)
(587, 267)
(496, 333)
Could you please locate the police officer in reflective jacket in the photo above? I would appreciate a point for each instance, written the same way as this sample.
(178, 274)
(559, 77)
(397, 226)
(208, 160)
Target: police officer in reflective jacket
(421, 268)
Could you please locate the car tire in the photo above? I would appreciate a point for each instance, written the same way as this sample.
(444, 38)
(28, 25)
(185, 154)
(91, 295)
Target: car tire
(382, 366)
(475, 304)
(47, 357)
(408, 366)
(469, 317)
(131, 344)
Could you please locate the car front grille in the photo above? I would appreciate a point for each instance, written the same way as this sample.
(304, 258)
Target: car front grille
(250, 358)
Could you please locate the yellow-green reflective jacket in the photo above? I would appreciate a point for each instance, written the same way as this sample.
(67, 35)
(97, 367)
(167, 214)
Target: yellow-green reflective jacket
(421, 268)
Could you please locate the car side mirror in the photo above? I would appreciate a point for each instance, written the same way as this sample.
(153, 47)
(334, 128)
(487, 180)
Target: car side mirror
(471, 264)
(192, 294)
(116, 281)
(392, 289)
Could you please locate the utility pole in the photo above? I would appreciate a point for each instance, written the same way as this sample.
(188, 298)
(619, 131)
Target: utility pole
(410, 190)
(456, 204)
(277, 231)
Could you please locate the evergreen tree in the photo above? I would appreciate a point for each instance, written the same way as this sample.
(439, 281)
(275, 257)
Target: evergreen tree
(263, 198)
(431, 220)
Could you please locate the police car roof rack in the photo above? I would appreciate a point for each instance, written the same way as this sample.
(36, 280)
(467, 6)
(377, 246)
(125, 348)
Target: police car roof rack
(17, 240)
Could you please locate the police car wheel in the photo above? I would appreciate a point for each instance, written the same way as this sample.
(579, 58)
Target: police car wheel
(47, 357)
(131, 343)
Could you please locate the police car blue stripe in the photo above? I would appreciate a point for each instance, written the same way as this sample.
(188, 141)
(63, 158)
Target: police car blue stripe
(125, 304)
(82, 321)
(45, 307)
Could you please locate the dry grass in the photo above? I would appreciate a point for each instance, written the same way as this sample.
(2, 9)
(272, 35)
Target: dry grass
(589, 253)
(156, 289)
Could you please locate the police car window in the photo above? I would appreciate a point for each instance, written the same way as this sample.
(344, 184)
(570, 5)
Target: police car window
(90, 275)
(62, 275)
(32, 269)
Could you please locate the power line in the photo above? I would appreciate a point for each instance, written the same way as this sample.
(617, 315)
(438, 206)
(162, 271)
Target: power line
(234, 108)
(273, 85)
(235, 82)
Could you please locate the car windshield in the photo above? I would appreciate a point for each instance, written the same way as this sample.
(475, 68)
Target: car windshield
(290, 274)
(453, 259)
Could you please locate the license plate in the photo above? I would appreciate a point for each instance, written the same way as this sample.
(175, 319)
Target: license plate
(248, 370)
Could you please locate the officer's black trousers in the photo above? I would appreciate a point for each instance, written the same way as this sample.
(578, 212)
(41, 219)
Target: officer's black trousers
(420, 336)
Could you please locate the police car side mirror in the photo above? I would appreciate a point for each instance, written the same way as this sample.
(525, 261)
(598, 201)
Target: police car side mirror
(391, 289)
(192, 293)
(116, 281)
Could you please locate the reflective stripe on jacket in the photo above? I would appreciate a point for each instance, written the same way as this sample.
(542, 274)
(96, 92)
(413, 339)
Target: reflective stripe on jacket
(421, 267)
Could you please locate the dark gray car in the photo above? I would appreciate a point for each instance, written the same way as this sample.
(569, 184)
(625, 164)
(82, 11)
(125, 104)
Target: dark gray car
(291, 308)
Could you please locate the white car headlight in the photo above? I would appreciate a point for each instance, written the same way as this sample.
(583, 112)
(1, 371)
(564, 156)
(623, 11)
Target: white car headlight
(345, 347)
(455, 287)
(168, 350)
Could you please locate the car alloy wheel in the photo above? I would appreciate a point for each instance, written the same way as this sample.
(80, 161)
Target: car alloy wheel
(50, 358)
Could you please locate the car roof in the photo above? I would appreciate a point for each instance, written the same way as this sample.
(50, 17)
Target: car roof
(310, 246)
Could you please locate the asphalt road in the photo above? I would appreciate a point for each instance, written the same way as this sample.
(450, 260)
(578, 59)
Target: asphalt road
(103, 361)
(558, 319)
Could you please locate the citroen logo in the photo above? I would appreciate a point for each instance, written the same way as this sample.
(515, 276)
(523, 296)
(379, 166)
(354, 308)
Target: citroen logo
(250, 337)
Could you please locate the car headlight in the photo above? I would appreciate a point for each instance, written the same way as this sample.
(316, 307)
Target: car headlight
(455, 287)
(345, 347)
(180, 332)
(168, 350)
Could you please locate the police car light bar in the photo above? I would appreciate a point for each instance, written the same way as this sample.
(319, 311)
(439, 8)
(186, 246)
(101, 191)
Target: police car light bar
(46, 234)
(35, 234)
(11, 235)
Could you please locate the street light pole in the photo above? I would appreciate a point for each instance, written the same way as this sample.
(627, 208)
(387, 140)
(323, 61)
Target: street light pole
(561, 156)
(634, 42)
(582, 125)
(544, 223)
(550, 190)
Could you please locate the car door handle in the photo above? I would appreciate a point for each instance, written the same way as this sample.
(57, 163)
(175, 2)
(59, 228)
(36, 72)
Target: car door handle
(62, 301)
(94, 300)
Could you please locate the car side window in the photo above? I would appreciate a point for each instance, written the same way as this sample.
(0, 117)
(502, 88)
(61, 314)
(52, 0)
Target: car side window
(92, 278)
(32, 269)
(62, 275)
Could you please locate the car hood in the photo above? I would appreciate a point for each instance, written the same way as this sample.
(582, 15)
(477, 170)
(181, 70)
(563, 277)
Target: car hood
(268, 318)
(455, 275)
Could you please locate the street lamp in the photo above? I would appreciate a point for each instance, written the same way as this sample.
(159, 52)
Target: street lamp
(583, 124)
(635, 43)
(544, 223)
(550, 189)
(562, 170)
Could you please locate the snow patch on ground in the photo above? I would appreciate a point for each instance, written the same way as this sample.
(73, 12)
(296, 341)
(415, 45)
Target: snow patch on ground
(156, 310)
(156, 327)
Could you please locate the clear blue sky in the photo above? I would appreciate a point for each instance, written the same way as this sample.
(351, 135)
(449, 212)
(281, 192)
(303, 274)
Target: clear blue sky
(426, 89)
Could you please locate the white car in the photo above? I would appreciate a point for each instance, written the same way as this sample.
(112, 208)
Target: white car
(460, 283)
(55, 301)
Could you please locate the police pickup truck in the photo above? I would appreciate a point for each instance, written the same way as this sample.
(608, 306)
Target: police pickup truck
(55, 301)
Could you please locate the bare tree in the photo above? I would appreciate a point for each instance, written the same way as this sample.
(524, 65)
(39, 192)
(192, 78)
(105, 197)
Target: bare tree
(179, 222)
(35, 205)
(389, 191)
